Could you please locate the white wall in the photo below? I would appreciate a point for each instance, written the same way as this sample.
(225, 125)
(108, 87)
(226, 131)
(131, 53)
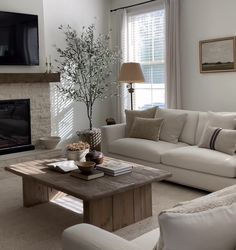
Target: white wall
(28, 7)
(76, 13)
(69, 117)
(122, 3)
(200, 20)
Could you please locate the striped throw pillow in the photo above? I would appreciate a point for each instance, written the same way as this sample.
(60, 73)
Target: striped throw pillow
(223, 140)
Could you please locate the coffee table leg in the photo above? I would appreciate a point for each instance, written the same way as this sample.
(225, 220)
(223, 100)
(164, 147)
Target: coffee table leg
(132, 206)
(120, 210)
(99, 213)
(36, 193)
(143, 202)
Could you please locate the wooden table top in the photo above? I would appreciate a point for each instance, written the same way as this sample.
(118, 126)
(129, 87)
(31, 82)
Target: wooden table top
(83, 189)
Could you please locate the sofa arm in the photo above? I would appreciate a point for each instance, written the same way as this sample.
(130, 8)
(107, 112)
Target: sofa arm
(111, 133)
(88, 237)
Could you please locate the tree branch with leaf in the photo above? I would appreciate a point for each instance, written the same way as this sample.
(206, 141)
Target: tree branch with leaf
(86, 64)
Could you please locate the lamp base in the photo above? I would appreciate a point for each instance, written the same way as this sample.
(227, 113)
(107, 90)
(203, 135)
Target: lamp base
(131, 91)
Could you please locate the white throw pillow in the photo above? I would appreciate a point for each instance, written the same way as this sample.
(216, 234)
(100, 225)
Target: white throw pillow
(223, 140)
(206, 223)
(221, 120)
(172, 125)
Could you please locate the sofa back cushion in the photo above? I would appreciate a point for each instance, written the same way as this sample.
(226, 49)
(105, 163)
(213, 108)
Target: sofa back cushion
(206, 223)
(202, 121)
(189, 130)
(226, 122)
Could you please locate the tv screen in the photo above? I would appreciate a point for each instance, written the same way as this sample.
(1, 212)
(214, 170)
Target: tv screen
(19, 43)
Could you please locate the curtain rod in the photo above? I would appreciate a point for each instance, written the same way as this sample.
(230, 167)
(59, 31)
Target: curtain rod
(133, 5)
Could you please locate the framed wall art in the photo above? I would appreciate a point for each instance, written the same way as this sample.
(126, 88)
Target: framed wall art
(217, 55)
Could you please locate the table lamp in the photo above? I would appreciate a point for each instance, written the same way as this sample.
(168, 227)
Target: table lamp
(131, 73)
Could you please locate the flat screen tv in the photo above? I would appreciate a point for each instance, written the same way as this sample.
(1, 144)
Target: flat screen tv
(19, 42)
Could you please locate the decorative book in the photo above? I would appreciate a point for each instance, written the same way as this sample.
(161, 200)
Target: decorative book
(115, 168)
(119, 173)
(63, 166)
(87, 176)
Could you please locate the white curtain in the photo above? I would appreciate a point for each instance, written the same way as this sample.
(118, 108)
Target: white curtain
(173, 88)
(119, 41)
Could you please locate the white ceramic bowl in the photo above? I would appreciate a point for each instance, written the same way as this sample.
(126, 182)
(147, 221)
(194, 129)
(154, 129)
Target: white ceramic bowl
(50, 142)
(77, 155)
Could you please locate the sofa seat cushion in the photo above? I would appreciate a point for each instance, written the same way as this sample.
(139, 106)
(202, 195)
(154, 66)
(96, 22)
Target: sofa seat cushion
(201, 160)
(142, 149)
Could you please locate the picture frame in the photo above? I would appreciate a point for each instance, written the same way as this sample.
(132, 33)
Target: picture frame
(217, 55)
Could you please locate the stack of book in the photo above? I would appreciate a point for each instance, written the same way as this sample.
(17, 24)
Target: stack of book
(114, 168)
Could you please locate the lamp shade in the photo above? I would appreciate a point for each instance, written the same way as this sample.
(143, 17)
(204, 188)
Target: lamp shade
(131, 73)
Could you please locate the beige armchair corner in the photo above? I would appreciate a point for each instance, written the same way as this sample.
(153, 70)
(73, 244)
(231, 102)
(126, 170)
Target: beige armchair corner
(88, 237)
(206, 223)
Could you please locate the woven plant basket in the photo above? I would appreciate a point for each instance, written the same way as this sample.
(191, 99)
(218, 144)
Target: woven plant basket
(92, 137)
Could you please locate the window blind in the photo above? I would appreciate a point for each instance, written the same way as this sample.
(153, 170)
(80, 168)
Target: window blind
(146, 45)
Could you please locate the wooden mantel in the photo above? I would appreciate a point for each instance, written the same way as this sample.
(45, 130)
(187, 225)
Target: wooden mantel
(29, 77)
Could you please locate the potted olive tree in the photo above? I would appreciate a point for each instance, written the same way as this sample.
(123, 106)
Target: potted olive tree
(86, 64)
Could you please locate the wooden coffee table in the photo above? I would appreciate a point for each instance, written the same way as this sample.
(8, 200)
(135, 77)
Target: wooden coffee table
(109, 202)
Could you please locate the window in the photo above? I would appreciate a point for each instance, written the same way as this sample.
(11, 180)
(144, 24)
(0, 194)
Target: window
(146, 45)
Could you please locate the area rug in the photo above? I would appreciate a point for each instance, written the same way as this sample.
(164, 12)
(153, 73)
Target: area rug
(40, 227)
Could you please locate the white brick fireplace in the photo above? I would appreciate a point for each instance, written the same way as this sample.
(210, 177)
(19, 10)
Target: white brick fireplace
(39, 95)
(35, 87)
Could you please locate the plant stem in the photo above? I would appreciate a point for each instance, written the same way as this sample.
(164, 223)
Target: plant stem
(90, 123)
(90, 115)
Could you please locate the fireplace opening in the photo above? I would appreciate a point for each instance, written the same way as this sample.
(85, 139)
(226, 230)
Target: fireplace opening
(15, 128)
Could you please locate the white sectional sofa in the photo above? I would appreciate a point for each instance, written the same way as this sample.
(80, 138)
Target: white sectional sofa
(190, 165)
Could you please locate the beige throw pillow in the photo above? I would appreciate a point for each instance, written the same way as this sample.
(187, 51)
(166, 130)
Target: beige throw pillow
(172, 125)
(206, 223)
(132, 114)
(146, 128)
(223, 140)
